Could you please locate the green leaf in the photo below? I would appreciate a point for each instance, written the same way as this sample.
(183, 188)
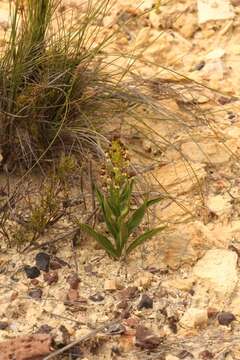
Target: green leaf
(136, 218)
(101, 239)
(100, 198)
(126, 191)
(142, 238)
(114, 200)
(154, 201)
(123, 236)
(110, 219)
(108, 213)
(138, 214)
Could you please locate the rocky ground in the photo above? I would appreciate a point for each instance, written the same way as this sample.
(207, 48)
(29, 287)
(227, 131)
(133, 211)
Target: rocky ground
(178, 297)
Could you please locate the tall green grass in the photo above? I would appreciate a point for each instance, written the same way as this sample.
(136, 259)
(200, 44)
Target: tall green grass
(56, 91)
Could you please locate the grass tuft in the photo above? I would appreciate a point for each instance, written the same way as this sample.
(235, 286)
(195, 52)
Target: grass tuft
(56, 92)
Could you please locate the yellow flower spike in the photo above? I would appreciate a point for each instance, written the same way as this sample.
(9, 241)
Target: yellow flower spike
(157, 6)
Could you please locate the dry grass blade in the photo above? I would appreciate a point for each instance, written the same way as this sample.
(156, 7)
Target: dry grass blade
(83, 338)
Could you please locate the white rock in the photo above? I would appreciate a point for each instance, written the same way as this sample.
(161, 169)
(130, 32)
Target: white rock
(218, 270)
(233, 132)
(194, 318)
(214, 10)
(110, 285)
(219, 204)
(214, 69)
(171, 357)
(180, 284)
(144, 280)
(215, 54)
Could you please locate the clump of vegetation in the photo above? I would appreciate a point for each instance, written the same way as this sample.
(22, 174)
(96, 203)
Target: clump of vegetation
(56, 92)
(43, 211)
(46, 208)
(116, 207)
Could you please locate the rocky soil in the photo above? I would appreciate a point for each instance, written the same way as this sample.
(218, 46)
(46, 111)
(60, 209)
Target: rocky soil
(178, 297)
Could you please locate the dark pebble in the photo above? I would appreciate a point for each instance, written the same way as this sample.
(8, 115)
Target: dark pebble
(73, 281)
(184, 354)
(4, 325)
(116, 329)
(122, 305)
(35, 282)
(212, 313)
(125, 314)
(96, 297)
(42, 261)
(116, 350)
(206, 355)
(224, 100)
(32, 272)
(225, 318)
(172, 323)
(145, 302)
(44, 329)
(76, 353)
(200, 65)
(128, 293)
(51, 278)
(88, 268)
(35, 293)
(57, 263)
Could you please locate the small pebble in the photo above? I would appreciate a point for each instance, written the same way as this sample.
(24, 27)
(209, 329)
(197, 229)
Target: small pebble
(122, 305)
(35, 293)
(115, 350)
(212, 313)
(200, 65)
(44, 329)
(96, 297)
(32, 272)
(145, 302)
(76, 353)
(146, 339)
(73, 280)
(51, 278)
(4, 325)
(35, 282)
(116, 329)
(224, 100)
(110, 285)
(72, 295)
(184, 354)
(225, 318)
(206, 355)
(125, 314)
(57, 263)
(132, 322)
(42, 261)
(129, 293)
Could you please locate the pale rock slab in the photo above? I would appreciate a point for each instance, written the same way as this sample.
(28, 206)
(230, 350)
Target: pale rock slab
(171, 357)
(233, 132)
(214, 10)
(180, 284)
(218, 271)
(219, 204)
(177, 178)
(194, 318)
(211, 152)
(184, 245)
